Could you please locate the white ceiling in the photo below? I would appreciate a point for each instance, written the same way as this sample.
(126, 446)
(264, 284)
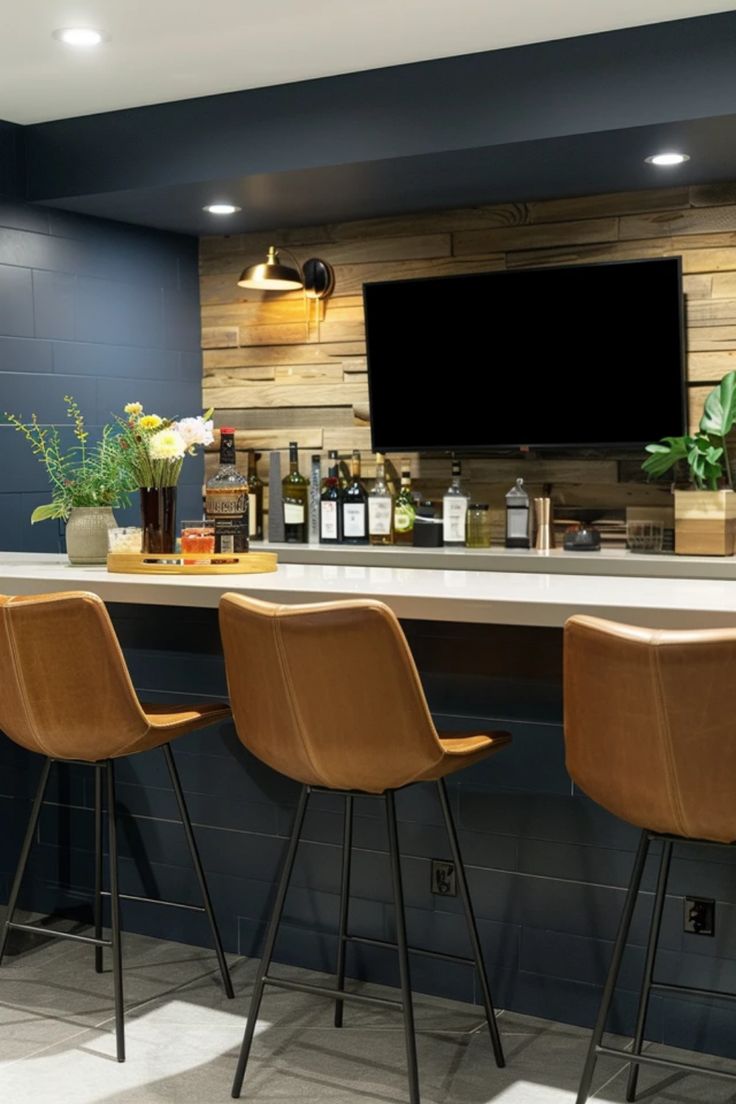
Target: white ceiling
(174, 49)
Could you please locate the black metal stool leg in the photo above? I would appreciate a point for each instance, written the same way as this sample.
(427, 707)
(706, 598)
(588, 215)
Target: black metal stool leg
(117, 959)
(24, 854)
(646, 987)
(98, 865)
(347, 849)
(198, 868)
(613, 972)
(404, 974)
(472, 926)
(271, 933)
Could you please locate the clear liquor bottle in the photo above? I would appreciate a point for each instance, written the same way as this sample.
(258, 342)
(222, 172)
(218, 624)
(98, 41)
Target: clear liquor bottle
(226, 499)
(455, 508)
(380, 507)
(295, 489)
(330, 500)
(355, 506)
(404, 508)
(255, 498)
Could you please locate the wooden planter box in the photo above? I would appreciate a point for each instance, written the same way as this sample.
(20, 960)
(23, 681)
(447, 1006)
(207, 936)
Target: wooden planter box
(705, 523)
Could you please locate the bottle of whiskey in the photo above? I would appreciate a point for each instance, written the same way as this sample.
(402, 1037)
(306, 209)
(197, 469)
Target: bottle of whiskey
(226, 499)
(355, 506)
(404, 508)
(454, 508)
(295, 489)
(380, 507)
(330, 514)
(255, 497)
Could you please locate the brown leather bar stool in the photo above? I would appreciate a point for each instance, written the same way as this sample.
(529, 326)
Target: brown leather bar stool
(297, 709)
(65, 693)
(649, 736)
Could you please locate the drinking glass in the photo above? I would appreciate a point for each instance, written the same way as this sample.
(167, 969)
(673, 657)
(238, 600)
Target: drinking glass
(197, 536)
(644, 536)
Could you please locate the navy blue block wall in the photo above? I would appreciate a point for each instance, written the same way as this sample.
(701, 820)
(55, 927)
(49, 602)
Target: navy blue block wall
(547, 867)
(101, 310)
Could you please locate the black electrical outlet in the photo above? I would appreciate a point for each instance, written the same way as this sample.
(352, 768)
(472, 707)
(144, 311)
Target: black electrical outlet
(700, 916)
(443, 878)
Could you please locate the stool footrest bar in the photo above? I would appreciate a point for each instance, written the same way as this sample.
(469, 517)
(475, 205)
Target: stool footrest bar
(325, 991)
(155, 901)
(364, 939)
(36, 930)
(668, 1063)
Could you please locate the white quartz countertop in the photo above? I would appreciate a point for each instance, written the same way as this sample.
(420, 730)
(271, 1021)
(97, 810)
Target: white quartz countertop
(491, 597)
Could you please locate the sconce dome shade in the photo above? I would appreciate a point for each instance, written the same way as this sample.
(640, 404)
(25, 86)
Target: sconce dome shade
(270, 276)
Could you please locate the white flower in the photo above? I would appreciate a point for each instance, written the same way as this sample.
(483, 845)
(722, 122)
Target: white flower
(195, 431)
(167, 444)
(133, 408)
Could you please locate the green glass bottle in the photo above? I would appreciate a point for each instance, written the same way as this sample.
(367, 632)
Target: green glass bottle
(404, 508)
(295, 490)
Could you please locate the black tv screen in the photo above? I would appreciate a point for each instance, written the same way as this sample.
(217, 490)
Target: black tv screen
(570, 357)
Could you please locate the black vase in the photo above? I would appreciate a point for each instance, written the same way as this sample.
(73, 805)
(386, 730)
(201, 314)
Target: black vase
(158, 518)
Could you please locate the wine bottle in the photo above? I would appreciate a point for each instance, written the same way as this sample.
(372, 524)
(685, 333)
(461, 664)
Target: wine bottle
(330, 501)
(226, 499)
(255, 497)
(454, 508)
(380, 507)
(404, 508)
(295, 492)
(355, 506)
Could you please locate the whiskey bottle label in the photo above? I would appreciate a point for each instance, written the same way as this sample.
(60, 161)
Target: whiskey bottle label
(293, 513)
(379, 516)
(225, 501)
(353, 519)
(328, 520)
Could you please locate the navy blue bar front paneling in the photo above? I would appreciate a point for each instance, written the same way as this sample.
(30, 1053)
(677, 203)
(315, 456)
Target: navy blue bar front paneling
(104, 311)
(547, 867)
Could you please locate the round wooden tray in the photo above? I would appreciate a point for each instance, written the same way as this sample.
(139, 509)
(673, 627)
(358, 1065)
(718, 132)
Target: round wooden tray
(191, 563)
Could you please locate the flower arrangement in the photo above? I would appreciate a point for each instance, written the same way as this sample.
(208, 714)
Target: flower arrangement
(154, 448)
(81, 474)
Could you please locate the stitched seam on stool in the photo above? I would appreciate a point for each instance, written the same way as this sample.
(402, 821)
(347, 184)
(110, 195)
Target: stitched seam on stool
(292, 699)
(671, 779)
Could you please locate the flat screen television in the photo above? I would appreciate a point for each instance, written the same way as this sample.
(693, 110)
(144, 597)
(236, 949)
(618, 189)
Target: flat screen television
(581, 356)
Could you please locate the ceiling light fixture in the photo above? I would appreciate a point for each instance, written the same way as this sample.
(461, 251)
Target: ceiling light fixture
(221, 208)
(667, 159)
(315, 276)
(79, 36)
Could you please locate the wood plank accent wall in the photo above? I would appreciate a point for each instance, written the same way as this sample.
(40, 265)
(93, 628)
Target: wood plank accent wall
(278, 374)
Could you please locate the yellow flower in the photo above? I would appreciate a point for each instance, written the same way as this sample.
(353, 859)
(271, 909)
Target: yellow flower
(150, 421)
(133, 408)
(167, 444)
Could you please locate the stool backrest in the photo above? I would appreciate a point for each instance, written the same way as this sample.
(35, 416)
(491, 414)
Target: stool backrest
(65, 690)
(650, 724)
(327, 694)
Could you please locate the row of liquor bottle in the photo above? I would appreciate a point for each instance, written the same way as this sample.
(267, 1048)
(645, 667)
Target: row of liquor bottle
(348, 512)
(339, 510)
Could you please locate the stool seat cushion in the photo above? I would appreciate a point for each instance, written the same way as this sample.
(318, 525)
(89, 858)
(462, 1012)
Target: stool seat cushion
(166, 722)
(461, 749)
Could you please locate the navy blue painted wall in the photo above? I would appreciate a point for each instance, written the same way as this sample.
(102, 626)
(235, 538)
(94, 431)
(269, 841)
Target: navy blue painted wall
(104, 311)
(547, 867)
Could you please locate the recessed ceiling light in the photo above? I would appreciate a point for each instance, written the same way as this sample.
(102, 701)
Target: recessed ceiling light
(221, 208)
(667, 158)
(79, 36)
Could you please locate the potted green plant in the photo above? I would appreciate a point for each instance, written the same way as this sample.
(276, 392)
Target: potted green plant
(705, 513)
(86, 481)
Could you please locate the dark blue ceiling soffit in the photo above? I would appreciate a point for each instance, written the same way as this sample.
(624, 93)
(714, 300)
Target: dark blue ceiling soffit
(559, 118)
